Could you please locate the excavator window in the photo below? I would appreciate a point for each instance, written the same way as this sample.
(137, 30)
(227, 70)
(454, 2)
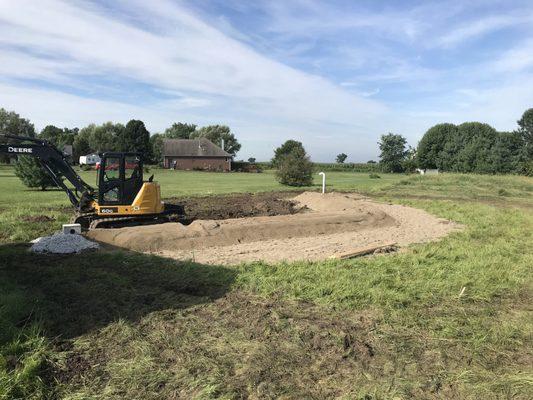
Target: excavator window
(120, 179)
(112, 195)
(112, 169)
(132, 167)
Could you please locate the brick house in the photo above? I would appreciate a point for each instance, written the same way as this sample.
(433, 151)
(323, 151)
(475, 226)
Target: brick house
(199, 154)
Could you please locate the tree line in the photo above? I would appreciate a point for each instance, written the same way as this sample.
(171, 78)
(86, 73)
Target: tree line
(471, 147)
(109, 136)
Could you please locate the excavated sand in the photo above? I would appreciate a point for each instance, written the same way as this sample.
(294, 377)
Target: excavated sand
(329, 224)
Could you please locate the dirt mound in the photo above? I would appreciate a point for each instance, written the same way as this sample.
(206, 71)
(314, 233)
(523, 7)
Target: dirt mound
(331, 202)
(237, 205)
(335, 223)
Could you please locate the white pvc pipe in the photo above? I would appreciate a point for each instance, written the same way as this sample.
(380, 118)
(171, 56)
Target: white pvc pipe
(323, 181)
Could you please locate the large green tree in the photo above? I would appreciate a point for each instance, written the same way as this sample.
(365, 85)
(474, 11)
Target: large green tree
(81, 145)
(135, 137)
(476, 147)
(99, 138)
(508, 153)
(52, 134)
(525, 128)
(59, 137)
(179, 130)
(217, 133)
(410, 162)
(289, 147)
(431, 148)
(13, 124)
(156, 143)
(107, 137)
(473, 145)
(341, 158)
(393, 152)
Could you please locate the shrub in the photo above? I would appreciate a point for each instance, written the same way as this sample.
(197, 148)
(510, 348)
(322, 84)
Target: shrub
(295, 170)
(243, 166)
(527, 168)
(30, 172)
(289, 147)
(264, 165)
(374, 176)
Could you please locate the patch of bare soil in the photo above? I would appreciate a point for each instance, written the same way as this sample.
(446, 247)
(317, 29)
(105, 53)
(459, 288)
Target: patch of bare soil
(237, 205)
(333, 223)
(38, 218)
(252, 347)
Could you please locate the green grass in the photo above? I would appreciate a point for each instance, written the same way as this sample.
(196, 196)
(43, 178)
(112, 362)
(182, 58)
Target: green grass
(117, 324)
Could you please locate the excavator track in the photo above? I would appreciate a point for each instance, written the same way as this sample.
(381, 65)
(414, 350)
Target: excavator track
(91, 220)
(121, 222)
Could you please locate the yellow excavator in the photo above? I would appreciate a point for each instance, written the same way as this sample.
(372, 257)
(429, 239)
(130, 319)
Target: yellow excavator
(122, 197)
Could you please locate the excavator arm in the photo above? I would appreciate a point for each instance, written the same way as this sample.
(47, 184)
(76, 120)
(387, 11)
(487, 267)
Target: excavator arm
(54, 163)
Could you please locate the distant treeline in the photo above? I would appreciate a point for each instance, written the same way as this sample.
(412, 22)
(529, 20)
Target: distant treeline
(478, 148)
(337, 167)
(348, 167)
(471, 147)
(115, 136)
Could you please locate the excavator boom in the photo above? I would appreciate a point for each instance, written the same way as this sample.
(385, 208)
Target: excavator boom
(55, 163)
(123, 197)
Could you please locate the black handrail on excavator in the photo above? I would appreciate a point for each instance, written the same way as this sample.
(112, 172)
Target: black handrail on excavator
(57, 166)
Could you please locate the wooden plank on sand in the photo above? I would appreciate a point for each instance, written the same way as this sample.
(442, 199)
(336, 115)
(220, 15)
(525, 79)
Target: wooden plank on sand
(362, 251)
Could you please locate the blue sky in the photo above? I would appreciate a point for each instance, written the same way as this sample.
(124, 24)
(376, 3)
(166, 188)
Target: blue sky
(334, 74)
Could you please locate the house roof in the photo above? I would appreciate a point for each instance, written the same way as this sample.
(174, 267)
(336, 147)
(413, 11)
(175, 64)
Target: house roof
(192, 148)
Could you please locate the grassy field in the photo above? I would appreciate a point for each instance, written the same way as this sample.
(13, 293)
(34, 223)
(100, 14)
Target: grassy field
(450, 319)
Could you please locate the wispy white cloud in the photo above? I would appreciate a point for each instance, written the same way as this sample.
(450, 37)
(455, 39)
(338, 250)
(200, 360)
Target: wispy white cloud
(483, 26)
(516, 59)
(328, 74)
(309, 18)
(213, 70)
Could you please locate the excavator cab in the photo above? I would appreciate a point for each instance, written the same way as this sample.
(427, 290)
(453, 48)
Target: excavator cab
(120, 178)
(122, 192)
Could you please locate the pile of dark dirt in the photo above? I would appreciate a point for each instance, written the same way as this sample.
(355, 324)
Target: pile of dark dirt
(38, 218)
(237, 205)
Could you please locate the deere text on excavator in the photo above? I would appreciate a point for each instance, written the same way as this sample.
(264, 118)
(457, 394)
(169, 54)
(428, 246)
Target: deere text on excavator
(122, 198)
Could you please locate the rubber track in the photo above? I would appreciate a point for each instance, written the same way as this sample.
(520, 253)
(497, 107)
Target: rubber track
(120, 222)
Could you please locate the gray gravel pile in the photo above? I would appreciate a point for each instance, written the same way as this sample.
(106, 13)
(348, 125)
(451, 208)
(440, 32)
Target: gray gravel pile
(61, 243)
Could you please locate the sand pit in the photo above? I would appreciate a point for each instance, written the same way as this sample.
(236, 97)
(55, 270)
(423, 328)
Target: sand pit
(326, 225)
